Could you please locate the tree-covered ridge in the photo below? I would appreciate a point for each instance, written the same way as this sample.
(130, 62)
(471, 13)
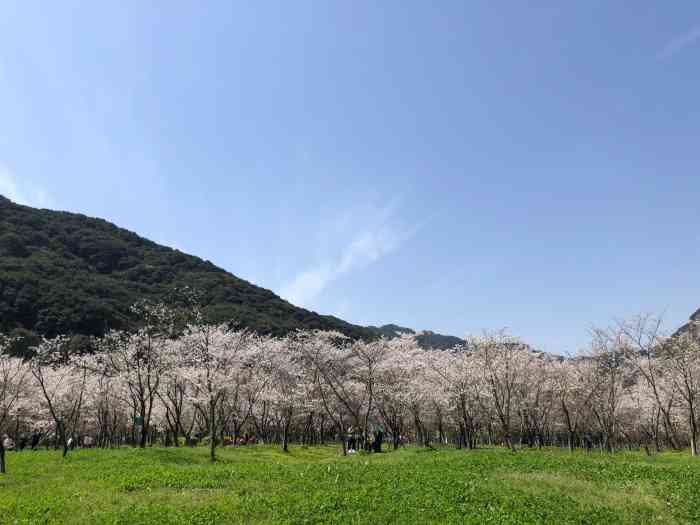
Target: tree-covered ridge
(692, 322)
(65, 273)
(426, 338)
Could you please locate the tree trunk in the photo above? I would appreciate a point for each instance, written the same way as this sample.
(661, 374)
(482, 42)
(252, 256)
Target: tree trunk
(63, 438)
(212, 433)
(144, 434)
(693, 435)
(670, 431)
(341, 433)
(607, 442)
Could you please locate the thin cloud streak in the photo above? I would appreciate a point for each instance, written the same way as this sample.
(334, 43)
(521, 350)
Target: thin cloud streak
(366, 247)
(679, 43)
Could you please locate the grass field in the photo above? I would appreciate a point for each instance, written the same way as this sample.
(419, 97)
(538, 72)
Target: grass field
(316, 485)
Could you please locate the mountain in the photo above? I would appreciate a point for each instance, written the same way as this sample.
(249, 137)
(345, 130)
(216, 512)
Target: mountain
(65, 273)
(695, 318)
(426, 339)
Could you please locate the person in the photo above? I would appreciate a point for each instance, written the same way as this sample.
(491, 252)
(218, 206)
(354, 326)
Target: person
(35, 439)
(23, 442)
(8, 443)
(378, 439)
(352, 441)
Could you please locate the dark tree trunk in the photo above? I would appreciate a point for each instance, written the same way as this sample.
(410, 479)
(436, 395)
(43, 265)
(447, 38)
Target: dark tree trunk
(212, 433)
(341, 433)
(144, 435)
(63, 439)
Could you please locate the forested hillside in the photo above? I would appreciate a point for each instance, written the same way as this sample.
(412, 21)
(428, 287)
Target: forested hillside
(65, 273)
(426, 339)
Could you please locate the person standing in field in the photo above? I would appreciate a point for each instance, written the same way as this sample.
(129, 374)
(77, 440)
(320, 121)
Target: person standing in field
(35, 439)
(378, 439)
(352, 441)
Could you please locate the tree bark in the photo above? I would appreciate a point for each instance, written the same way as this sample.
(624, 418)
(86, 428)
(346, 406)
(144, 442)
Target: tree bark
(212, 433)
(693, 434)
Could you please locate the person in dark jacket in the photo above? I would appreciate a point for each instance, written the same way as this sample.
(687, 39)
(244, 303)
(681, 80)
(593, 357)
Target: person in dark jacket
(35, 440)
(352, 440)
(378, 439)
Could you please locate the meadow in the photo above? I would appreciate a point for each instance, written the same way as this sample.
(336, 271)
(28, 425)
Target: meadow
(261, 484)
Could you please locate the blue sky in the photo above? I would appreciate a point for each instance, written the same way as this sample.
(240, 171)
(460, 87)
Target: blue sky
(453, 166)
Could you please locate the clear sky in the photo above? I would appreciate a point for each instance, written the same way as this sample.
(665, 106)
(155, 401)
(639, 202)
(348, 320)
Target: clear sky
(453, 166)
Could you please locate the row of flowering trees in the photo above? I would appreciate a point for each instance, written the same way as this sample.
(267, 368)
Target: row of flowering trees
(182, 381)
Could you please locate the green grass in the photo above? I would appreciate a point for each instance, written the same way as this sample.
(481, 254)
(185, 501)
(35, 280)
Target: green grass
(317, 485)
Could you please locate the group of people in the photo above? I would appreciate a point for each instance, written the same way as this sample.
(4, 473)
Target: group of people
(369, 442)
(33, 441)
(247, 439)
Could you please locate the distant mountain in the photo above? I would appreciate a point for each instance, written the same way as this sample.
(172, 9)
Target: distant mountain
(695, 318)
(426, 339)
(65, 273)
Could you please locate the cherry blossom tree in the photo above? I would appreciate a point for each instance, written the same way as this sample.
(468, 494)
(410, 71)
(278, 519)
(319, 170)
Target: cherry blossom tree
(504, 361)
(396, 374)
(643, 344)
(61, 381)
(536, 397)
(13, 379)
(140, 360)
(609, 377)
(289, 384)
(213, 358)
(328, 357)
(572, 386)
(681, 357)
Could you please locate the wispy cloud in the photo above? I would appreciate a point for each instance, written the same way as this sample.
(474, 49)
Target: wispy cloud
(24, 192)
(679, 43)
(365, 246)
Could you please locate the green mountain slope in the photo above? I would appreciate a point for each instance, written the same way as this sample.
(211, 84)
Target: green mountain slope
(65, 273)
